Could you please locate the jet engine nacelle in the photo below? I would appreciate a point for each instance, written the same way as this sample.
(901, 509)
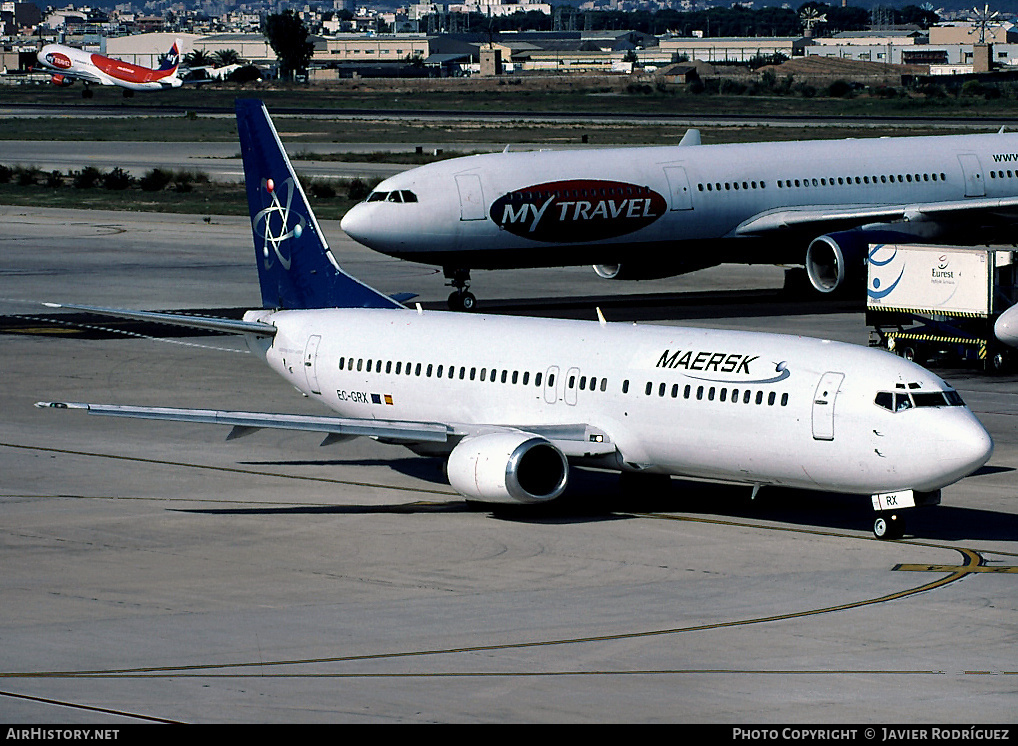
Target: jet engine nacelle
(61, 80)
(508, 468)
(652, 270)
(833, 259)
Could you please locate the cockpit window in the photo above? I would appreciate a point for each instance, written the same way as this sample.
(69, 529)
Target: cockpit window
(899, 401)
(400, 195)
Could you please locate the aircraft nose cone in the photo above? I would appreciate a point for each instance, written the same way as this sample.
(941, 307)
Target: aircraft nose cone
(1006, 327)
(355, 223)
(964, 447)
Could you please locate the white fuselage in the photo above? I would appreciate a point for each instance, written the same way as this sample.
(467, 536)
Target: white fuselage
(547, 208)
(747, 407)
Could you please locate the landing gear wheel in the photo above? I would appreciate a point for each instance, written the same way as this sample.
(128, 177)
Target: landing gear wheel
(462, 299)
(889, 526)
(87, 93)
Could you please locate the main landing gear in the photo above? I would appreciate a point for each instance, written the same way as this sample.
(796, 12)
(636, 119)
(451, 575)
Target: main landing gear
(889, 525)
(461, 299)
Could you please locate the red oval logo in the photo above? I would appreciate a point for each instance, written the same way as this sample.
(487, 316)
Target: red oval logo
(577, 210)
(58, 60)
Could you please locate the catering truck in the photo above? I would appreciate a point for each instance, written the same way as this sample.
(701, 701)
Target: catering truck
(938, 304)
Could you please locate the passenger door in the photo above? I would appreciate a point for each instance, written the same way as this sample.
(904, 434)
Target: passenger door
(681, 198)
(973, 173)
(311, 363)
(471, 197)
(823, 405)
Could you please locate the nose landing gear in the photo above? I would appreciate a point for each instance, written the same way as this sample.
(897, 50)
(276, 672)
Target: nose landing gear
(461, 299)
(889, 526)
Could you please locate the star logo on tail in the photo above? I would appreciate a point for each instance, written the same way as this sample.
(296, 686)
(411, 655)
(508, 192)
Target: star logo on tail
(277, 223)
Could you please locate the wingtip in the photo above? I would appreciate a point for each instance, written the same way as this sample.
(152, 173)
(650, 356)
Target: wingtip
(59, 405)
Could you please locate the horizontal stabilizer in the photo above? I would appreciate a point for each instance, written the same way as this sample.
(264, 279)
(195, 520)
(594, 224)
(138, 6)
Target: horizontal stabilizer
(227, 326)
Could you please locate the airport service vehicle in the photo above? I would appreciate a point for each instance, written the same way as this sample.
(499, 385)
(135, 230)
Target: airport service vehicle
(937, 302)
(69, 64)
(650, 212)
(512, 402)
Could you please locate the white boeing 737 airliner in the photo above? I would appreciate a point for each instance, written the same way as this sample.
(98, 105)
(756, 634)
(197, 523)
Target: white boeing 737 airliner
(650, 212)
(511, 402)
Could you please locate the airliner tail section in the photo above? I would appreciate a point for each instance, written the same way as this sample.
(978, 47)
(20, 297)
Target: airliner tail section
(172, 58)
(296, 269)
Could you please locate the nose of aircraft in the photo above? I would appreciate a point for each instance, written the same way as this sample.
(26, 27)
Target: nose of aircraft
(1006, 327)
(963, 446)
(355, 223)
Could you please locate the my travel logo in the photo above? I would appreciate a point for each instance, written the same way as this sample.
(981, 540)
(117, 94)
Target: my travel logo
(577, 210)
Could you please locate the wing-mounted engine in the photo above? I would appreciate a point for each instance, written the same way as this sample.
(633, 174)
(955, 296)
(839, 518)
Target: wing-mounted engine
(836, 260)
(508, 467)
(60, 80)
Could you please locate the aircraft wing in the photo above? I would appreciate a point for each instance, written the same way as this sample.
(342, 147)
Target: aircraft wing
(798, 217)
(573, 440)
(72, 75)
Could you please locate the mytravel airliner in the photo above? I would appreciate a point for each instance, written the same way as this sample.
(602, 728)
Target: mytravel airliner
(651, 212)
(69, 64)
(512, 402)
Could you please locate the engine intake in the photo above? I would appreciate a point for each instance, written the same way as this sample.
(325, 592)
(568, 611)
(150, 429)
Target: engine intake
(835, 259)
(508, 468)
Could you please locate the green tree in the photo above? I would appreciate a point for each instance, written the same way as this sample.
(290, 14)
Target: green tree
(288, 37)
(227, 57)
(198, 58)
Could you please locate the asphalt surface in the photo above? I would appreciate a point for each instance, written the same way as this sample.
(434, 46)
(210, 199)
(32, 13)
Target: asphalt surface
(157, 572)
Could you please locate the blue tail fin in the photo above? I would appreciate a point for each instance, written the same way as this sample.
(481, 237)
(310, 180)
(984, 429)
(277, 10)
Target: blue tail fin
(171, 59)
(296, 269)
